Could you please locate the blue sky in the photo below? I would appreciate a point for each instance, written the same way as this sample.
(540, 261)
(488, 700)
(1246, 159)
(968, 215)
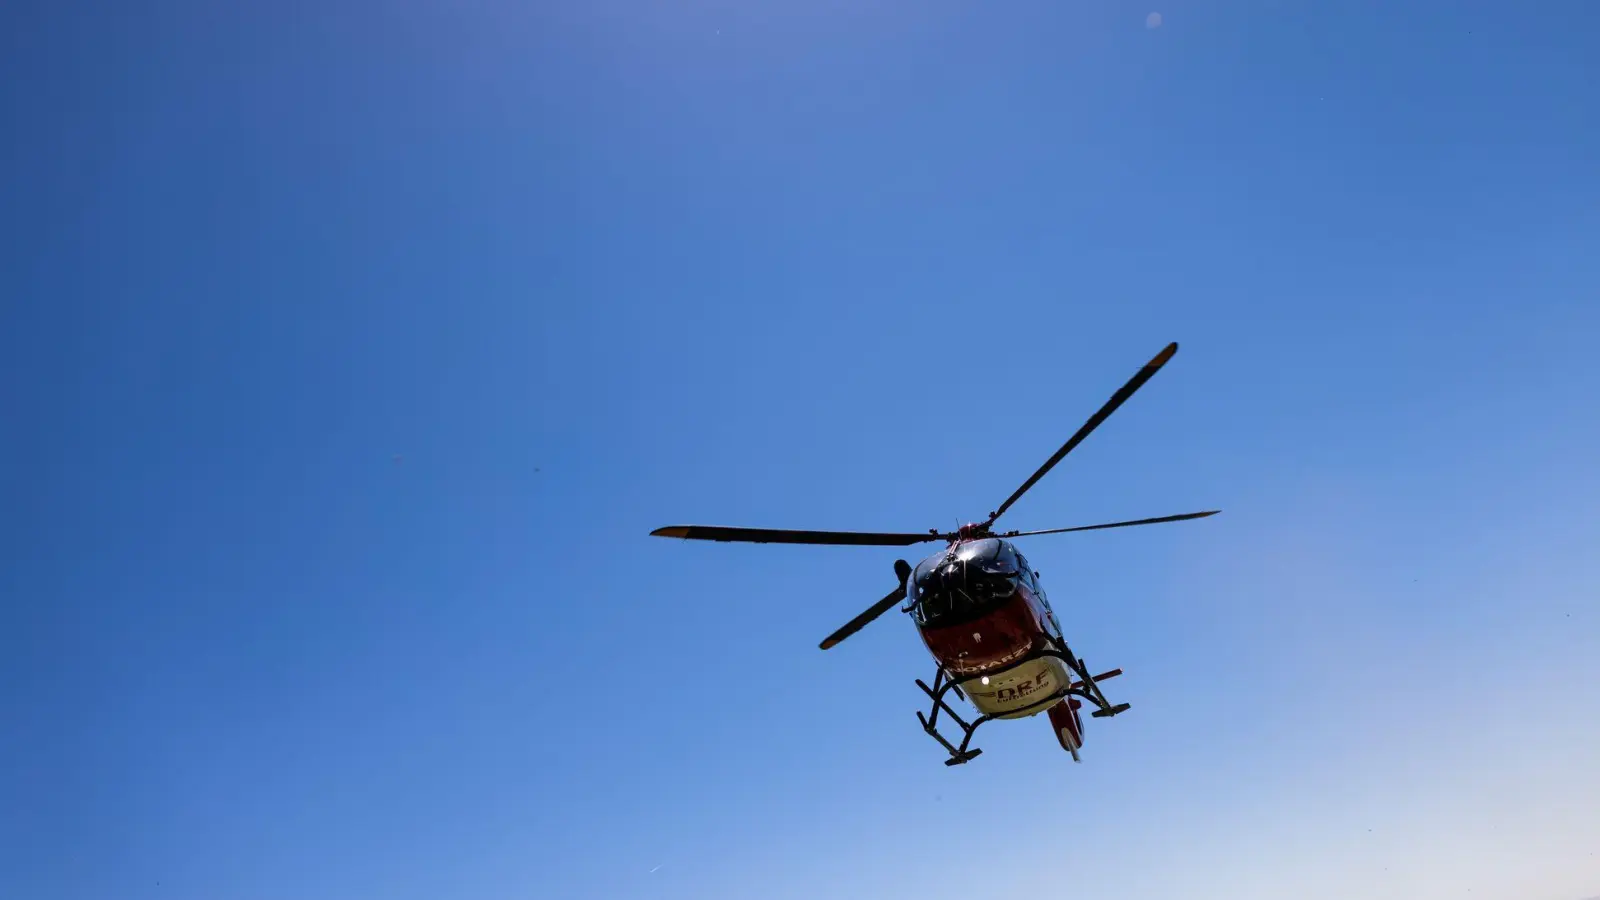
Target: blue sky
(350, 352)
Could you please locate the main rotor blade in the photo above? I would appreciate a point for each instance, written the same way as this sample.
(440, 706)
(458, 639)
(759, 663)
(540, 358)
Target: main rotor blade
(1178, 518)
(901, 569)
(789, 536)
(874, 611)
(1137, 381)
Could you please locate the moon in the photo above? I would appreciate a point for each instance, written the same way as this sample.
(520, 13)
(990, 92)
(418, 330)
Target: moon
(1153, 20)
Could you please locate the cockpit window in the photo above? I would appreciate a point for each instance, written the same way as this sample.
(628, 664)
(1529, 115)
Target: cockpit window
(975, 579)
(990, 555)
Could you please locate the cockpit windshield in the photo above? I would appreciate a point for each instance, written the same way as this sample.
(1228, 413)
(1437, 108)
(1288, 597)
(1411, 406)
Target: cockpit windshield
(956, 587)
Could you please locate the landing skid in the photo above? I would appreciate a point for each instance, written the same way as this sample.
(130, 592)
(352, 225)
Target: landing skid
(1086, 686)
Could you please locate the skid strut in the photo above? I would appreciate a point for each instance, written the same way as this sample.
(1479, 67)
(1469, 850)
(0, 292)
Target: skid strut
(1086, 686)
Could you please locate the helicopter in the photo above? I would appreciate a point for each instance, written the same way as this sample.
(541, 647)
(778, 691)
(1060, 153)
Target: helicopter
(981, 610)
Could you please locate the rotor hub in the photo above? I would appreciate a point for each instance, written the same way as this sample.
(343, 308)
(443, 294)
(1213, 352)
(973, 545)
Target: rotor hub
(972, 530)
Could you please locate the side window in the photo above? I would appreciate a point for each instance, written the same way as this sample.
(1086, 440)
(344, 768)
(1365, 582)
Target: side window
(1033, 585)
(1026, 573)
(931, 602)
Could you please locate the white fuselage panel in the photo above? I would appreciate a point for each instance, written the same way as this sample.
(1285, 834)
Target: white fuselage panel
(1010, 694)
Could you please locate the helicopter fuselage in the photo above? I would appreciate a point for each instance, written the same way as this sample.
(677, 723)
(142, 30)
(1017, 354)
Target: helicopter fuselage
(980, 608)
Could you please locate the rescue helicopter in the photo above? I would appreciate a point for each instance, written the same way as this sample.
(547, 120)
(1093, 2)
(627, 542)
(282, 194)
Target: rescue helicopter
(981, 610)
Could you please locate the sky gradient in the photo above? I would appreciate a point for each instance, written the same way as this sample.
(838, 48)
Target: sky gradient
(349, 352)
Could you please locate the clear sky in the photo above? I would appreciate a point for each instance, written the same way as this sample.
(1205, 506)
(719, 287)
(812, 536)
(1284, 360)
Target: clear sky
(350, 351)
